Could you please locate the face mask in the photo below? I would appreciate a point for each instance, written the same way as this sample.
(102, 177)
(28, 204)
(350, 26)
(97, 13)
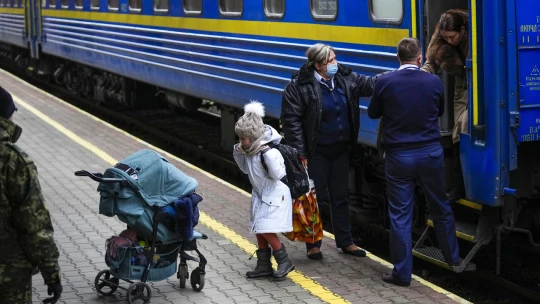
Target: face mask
(331, 69)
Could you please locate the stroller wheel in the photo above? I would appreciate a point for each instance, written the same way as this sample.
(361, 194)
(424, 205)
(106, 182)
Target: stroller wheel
(183, 275)
(104, 284)
(138, 291)
(197, 279)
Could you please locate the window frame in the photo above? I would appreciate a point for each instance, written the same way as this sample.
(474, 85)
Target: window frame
(192, 13)
(113, 9)
(230, 14)
(92, 7)
(316, 18)
(376, 20)
(161, 10)
(275, 16)
(135, 10)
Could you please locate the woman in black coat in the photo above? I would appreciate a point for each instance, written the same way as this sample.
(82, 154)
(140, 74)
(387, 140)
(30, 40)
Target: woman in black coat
(320, 118)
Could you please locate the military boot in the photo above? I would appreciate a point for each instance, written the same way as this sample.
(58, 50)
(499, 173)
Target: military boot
(284, 264)
(264, 266)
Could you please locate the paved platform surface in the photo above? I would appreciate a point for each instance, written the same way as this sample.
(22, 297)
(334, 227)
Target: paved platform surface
(61, 139)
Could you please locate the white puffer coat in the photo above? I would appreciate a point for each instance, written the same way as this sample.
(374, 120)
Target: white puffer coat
(271, 204)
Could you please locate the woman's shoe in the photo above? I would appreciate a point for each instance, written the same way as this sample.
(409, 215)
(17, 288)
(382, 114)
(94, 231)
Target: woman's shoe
(357, 253)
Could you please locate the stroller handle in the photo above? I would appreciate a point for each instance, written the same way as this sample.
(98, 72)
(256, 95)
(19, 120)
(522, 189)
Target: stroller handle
(98, 177)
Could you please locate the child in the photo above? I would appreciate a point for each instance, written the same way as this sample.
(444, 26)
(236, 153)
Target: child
(271, 204)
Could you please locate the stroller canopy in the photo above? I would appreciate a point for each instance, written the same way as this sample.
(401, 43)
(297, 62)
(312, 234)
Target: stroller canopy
(153, 182)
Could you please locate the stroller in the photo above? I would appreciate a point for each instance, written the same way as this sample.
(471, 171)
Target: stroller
(158, 202)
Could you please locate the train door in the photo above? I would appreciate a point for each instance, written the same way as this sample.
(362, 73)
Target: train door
(528, 50)
(30, 26)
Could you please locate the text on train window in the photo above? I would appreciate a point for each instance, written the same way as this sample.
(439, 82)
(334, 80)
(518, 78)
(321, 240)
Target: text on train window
(274, 8)
(94, 4)
(231, 7)
(135, 5)
(324, 9)
(161, 5)
(387, 11)
(113, 4)
(192, 7)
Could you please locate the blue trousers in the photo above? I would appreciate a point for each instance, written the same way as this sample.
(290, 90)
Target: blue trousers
(405, 168)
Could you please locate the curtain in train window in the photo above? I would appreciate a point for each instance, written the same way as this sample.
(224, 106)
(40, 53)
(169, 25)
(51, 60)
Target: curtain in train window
(231, 7)
(113, 4)
(78, 4)
(274, 8)
(64, 3)
(135, 5)
(161, 5)
(193, 7)
(324, 9)
(94, 4)
(387, 11)
(52, 3)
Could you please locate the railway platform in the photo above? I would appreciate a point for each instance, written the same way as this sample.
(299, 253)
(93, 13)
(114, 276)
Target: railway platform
(62, 139)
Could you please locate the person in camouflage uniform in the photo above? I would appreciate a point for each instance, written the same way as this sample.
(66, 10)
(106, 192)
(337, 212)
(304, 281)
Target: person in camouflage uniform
(26, 231)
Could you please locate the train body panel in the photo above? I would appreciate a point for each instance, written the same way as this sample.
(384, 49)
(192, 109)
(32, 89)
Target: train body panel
(229, 59)
(12, 26)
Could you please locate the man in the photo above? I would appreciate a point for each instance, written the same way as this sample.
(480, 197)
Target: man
(26, 231)
(410, 102)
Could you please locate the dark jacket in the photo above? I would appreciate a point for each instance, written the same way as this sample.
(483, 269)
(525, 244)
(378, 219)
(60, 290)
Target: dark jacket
(410, 102)
(26, 230)
(301, 105)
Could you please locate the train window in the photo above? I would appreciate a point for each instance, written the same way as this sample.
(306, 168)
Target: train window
(192, 7)
(113, 5)
(386, 11)
(274, 8)
(135, 5)
(95, 4)
(52, 3)
(161, 6)
(64, 3)
(324, 9)
(231, 7)
(78, 4)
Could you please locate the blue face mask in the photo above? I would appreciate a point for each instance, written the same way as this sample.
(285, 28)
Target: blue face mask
(331, 69)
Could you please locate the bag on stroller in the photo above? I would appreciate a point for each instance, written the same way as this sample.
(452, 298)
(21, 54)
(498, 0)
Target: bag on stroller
(143, 191)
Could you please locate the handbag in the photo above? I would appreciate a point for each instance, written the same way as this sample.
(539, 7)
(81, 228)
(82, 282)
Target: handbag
(307, 224)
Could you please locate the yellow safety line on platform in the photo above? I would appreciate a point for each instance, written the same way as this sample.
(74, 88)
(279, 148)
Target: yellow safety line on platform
(297, 277)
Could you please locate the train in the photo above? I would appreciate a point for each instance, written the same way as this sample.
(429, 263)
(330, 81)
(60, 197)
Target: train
(231, 51)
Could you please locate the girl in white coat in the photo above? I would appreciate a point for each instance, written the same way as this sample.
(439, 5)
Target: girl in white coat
(271, 203)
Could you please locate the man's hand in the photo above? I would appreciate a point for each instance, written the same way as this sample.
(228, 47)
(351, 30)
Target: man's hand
(56, 289)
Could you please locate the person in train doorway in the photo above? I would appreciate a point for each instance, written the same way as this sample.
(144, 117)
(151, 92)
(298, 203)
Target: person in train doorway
(271, 203)
(26, 231)
(448, 51)
(410, 102)
(320, 118)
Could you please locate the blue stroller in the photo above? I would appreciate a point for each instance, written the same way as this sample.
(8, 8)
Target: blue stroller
(158, 202)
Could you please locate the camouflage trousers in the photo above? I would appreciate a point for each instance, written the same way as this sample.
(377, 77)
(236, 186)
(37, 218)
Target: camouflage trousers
(15, 284)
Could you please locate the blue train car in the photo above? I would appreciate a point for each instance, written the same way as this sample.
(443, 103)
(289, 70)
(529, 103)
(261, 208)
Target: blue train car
(231, 51)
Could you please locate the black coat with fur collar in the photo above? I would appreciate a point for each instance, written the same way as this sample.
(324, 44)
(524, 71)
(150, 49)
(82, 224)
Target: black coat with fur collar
(301, 105)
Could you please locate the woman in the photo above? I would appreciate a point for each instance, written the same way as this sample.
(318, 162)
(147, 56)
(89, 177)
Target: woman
(448, 51)
(320, 118)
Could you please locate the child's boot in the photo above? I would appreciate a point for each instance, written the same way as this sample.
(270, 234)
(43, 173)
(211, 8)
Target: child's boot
(264, 266)
(284, 264)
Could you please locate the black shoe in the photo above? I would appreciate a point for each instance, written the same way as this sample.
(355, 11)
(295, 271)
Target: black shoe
(315, 256)
(456, 194)
(388, 278)
(357, 253)
(264, 265)
(284, 264)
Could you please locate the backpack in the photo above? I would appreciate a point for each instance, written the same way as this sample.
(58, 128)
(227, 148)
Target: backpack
(296, 178)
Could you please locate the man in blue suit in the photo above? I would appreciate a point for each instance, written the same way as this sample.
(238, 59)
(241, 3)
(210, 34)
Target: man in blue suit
(409, 101)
